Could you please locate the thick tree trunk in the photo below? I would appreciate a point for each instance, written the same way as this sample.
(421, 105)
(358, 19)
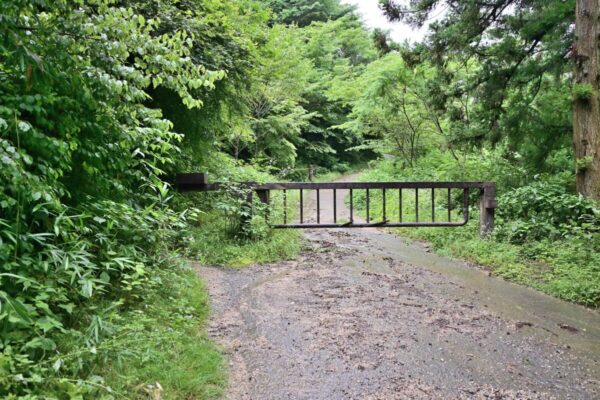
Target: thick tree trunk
(586, 107)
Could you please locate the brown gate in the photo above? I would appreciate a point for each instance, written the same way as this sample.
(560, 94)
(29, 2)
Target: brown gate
(486, 191)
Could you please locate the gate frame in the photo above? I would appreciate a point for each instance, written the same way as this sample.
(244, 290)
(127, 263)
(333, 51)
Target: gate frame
(198, 182)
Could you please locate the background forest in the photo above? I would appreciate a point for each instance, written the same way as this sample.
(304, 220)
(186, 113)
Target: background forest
(103, 101)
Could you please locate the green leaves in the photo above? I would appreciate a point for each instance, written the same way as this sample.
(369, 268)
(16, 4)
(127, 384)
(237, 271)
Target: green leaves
(501, 76)
(545, 210)
(14, 310)
(303, 12)
(83, 208)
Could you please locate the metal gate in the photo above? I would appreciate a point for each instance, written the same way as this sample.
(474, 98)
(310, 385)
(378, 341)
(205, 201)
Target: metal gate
(398, 190)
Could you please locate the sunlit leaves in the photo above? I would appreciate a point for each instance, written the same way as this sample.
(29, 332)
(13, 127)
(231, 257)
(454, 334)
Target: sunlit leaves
(389, 110)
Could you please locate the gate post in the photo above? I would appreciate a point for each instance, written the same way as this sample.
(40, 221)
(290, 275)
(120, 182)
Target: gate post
(247, 207)
(264, 197)
(487, 208)
(191, 182)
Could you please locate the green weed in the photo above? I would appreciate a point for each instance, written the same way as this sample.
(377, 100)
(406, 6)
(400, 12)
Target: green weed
(171, 356)
(214, 245)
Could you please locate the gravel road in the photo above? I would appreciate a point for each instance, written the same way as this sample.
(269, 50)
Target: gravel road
(362, 314)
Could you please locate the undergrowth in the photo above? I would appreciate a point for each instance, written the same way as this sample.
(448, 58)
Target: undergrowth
(230, 232)
(213, 244)
(164, 352)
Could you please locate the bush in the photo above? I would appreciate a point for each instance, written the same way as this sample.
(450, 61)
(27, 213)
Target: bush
(60, 289)
(545, 210)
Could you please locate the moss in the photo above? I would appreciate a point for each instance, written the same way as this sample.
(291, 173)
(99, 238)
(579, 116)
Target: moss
(582, 91)
(582, 164)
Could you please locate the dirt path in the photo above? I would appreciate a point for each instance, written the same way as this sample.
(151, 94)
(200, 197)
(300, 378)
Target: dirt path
(365, 315)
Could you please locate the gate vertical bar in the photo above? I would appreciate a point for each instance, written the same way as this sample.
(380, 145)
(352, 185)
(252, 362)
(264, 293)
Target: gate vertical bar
(466, 204)
(334, 206)
(384, 216)
(432, 204)
(400, 205)
(368, 216)
(301, 207)
(318, 207)
(449, 205)
(284, 206)
(351, 207)
(416, 205)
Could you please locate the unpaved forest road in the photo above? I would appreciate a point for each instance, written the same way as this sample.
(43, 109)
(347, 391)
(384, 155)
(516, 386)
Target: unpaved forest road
(365, 315)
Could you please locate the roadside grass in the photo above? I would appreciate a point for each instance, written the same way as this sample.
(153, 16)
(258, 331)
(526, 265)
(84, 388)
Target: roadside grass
(216, 241)
(212, 247)
(164, 351)
(569, 270)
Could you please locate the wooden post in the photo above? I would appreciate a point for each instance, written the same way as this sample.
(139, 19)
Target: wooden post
(263, 196)
(191, 182)
(311, 172)
(487, 208)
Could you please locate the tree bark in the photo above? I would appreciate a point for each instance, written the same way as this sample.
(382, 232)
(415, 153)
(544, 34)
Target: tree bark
(586, 103)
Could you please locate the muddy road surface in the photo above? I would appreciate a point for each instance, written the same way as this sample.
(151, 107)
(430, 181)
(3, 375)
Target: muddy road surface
(362, 314)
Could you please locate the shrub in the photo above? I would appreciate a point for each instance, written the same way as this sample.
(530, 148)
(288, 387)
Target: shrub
(545, 210)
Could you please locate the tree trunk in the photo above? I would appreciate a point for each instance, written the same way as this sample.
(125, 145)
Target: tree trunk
(586, 104)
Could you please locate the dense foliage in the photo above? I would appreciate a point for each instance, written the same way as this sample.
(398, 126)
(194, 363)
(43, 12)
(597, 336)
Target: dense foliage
(502, 69)
(101, 102)
(83, 214)
(545, 210)
(304, 12)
